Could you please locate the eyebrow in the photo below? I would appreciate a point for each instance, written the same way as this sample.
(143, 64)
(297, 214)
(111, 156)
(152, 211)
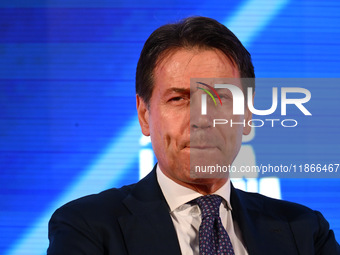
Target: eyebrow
(223, 89)
(177, 90)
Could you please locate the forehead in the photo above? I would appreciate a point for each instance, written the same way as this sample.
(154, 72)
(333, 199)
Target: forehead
(178, 66)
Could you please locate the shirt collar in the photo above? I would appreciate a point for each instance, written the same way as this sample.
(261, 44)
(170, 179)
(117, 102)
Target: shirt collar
(177, 195)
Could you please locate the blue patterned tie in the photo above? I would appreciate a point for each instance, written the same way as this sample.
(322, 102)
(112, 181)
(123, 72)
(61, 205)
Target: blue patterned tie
(213, 238)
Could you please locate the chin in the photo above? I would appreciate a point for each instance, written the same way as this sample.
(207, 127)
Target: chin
(206, 177)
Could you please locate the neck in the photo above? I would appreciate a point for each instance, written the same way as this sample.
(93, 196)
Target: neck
(205, 186)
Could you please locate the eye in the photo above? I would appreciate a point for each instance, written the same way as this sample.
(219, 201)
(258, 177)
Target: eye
(176, 98)
(225, 96)
(178, 101)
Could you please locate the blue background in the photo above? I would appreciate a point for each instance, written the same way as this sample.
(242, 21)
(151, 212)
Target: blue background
(68, 123)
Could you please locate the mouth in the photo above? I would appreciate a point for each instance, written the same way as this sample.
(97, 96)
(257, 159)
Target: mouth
(202, 147)
(199, 146)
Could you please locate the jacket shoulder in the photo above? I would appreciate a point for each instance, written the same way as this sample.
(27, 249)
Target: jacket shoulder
(108, 201)
(89, 225)
(280, 208)
(309, 228)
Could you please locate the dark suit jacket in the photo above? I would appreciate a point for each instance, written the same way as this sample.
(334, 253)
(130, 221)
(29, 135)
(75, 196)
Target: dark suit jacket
(135, 220)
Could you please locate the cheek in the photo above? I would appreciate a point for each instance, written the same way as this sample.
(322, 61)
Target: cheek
(222, 112)
(171, 136)
(175, 122)
(170, 127)
(165, 133)
(232, 135)
(233, 145)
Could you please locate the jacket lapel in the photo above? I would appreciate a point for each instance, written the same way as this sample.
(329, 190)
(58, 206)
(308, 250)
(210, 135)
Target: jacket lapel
(149, 228)
(263, 231)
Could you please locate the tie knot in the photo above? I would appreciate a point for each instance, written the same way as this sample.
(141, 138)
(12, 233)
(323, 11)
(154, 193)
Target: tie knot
(209, 205)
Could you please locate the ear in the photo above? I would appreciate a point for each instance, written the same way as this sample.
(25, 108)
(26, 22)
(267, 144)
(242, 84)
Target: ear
(248, 116)
(143, 115)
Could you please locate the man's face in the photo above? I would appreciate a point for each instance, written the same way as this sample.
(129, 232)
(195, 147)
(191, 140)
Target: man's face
(168, 120)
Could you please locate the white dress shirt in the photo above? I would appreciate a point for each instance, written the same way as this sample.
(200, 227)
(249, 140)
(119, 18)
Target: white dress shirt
(187, 217)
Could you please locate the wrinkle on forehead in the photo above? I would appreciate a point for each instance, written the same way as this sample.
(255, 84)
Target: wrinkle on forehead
(168, 64)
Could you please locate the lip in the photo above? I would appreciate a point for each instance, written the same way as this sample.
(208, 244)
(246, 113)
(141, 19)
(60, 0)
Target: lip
(202, 147)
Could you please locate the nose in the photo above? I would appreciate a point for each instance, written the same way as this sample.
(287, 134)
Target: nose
(198, 120)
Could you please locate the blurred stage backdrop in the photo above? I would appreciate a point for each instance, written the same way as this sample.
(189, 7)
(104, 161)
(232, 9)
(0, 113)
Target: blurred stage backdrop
(68, 125)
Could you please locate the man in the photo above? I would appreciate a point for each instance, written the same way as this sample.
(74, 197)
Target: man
(173, 211)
